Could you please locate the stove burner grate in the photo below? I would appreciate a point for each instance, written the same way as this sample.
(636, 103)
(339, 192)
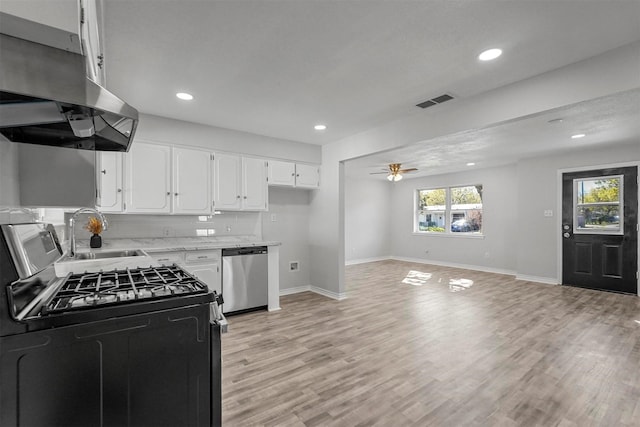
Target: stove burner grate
(81, 291)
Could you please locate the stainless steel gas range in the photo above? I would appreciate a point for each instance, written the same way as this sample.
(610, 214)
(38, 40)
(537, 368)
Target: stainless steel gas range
(122, 348)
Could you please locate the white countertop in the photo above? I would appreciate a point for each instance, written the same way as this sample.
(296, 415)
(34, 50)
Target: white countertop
(164, 244)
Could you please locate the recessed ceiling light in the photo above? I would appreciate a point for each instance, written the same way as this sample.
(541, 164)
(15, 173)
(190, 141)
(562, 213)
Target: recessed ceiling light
(578, 136)
(471, 164)
(185, 96)
(320, 127)
(490, 54)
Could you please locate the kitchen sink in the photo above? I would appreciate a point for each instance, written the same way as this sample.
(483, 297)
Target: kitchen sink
(101, 260)
(110, 254)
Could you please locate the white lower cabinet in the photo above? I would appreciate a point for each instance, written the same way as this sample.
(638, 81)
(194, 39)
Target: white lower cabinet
(203, 264)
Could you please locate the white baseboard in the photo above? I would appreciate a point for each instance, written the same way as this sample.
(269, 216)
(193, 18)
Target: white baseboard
(308, 288)
(538, 279)
(330, 294)
(365, 260)
(456, 265)
(296, 290)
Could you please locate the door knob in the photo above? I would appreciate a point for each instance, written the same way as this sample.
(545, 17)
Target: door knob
(566, 235)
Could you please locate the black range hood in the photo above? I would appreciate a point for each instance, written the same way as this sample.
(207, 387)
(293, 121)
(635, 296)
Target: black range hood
(47, 99)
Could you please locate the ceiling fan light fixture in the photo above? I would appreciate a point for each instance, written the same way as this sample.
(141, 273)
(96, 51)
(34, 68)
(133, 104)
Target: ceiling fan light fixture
(394, 177)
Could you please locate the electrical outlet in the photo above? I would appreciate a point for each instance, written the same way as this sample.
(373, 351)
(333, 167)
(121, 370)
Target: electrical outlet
(294, 266)
(274, 218)
(167, 232)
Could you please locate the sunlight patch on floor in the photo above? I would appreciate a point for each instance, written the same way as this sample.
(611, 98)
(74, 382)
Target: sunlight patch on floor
(416, 278)
(457, 285)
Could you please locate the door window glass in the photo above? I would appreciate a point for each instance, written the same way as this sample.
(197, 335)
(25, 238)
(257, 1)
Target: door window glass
(598, 205)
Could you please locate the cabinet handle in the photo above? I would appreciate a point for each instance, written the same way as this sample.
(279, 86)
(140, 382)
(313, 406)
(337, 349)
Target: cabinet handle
(237, 197)
(245, 197)
(297, 174)
(119, 190)
(168, 193)
(103, 171)
(175, 194)
(293, 174)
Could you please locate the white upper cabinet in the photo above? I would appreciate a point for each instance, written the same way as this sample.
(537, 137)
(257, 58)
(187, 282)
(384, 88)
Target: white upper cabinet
(109, 181)
(254, 184)
(293, 174)
(148, 178)
(240, 183)
(282, 173)
(226, 182)
(191, 181)
(307, 176)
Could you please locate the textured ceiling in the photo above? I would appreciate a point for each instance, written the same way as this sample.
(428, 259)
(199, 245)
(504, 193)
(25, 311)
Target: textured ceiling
(278, 67)
(614, 118)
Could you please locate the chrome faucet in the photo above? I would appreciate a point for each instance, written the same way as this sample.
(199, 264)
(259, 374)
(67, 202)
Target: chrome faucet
(72, 226)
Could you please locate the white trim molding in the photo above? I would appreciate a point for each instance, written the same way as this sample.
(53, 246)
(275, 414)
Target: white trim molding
(308, 288)
(330, 294)
(296, 290)
(537, 279)
(456, 265)
(366, 260)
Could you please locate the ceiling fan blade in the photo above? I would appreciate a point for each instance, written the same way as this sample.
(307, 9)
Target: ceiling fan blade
(408, 170)
(376, 173)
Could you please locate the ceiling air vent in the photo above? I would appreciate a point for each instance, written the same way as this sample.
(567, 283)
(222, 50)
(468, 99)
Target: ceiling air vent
(434, 101)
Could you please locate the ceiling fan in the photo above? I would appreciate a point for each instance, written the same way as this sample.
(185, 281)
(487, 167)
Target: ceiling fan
(394, 172)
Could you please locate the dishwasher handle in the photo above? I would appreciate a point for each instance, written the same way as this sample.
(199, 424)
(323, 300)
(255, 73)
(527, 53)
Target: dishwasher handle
(255, 250)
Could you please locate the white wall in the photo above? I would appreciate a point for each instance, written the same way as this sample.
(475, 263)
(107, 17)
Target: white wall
(368, 212)
(537, 249)
(291, 227)
(492, 252)
(161, 129)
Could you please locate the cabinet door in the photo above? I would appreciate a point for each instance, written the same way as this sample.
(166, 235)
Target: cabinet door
(282, 173)
(109, 181)
(148, 178)
(226, 182)
(254, 184)
(307, 176)
(191, 181)
(208, 273)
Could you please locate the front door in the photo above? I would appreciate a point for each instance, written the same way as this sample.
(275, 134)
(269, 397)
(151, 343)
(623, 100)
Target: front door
(599, 229)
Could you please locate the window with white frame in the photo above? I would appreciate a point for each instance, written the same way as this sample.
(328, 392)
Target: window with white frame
(446, 210)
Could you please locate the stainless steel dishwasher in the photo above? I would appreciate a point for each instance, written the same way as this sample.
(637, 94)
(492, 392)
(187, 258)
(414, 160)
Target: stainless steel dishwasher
(244, 279)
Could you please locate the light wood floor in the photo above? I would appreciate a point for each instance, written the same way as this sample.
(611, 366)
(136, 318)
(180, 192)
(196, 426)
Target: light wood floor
(464, 348)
